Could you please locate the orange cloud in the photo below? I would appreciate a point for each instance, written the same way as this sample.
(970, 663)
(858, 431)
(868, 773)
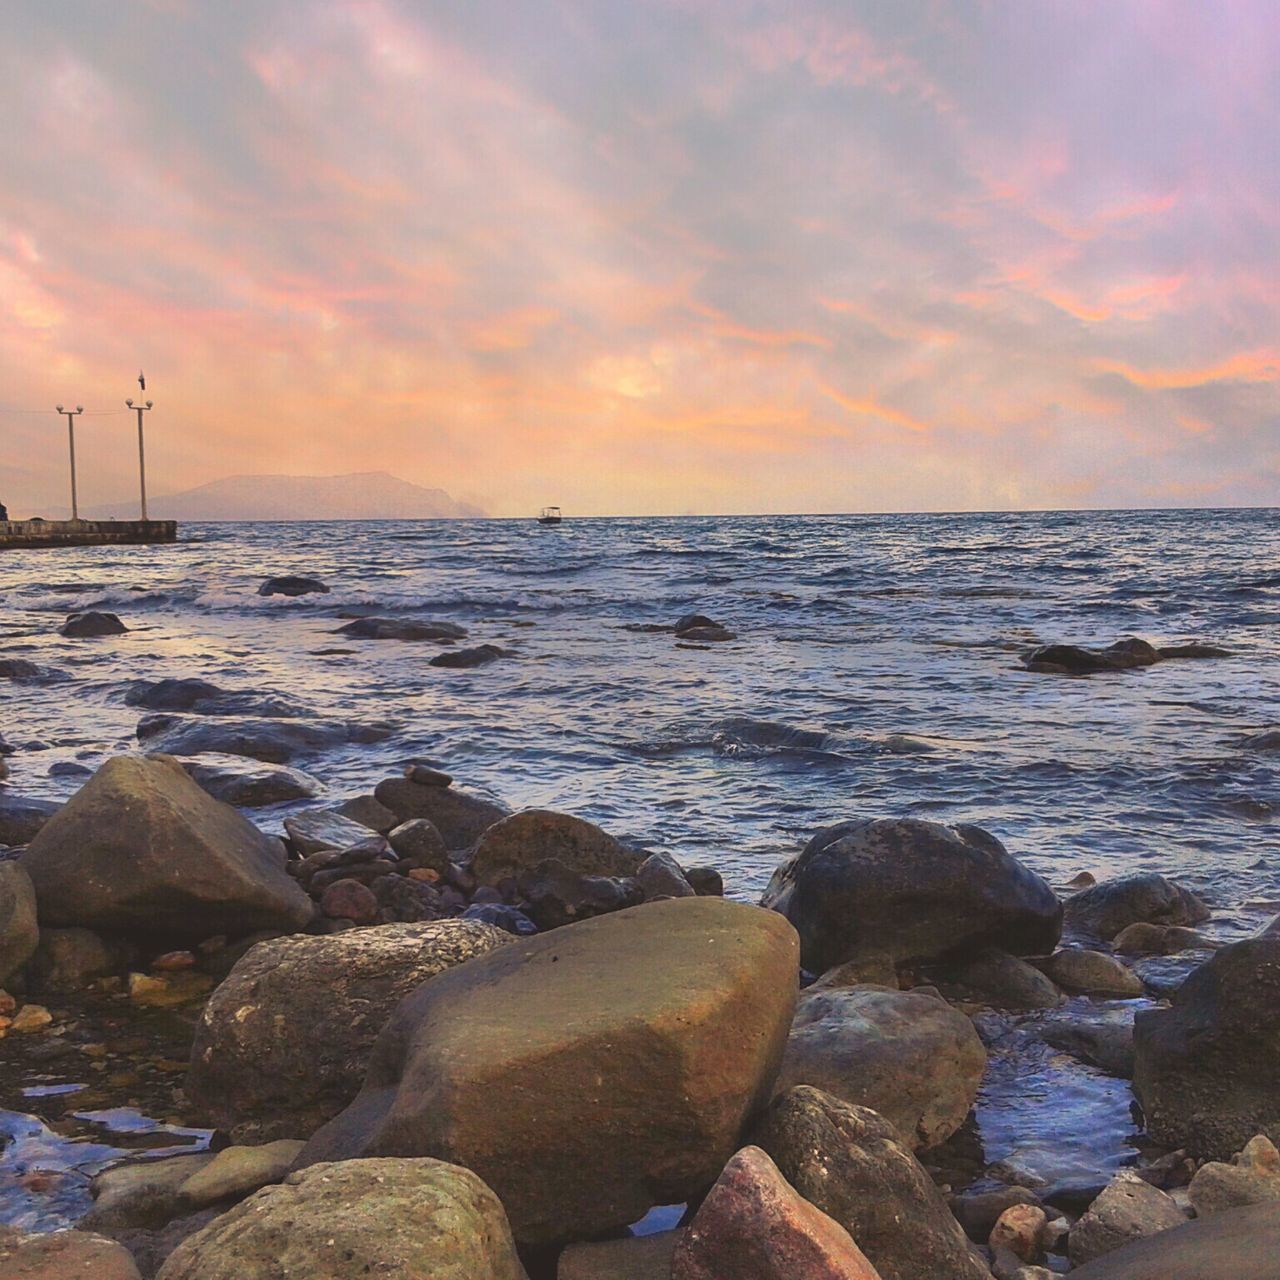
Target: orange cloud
(1246, 366)
(871, 408)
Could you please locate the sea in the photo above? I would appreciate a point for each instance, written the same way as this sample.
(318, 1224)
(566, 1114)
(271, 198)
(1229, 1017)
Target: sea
(875, 670)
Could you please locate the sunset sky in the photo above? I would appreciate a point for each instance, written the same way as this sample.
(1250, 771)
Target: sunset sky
(632, 256)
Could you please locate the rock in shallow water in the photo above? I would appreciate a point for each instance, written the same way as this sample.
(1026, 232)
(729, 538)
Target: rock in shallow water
(1108, 908)
(273, 741)
(401, 629)
(80, 626)
(627, 1052)
(412, 1219)
(141, 849)
(912, 889)
(293, 586)
(283, 1043)
(247, 784)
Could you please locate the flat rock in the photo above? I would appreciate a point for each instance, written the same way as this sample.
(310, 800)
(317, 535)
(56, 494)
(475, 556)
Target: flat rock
(912, 889)
(320, 829)
(271, 740)
(627, 1052)
(63, 1255)
(401, 629)
(1092, 973)
(460, 816)
(753, 1226)
(411, 1219)
(479, 655)
(140, 848)
(249, 784)
(907, 1055)
(369, 812)
(1207, 1071)
(1108, 908)
(855, 1166)
(283, 1044)
(141, 1193)
(514, 845)
(19, 932)
(292, 585)
(237, 1171)
(1237, 1244)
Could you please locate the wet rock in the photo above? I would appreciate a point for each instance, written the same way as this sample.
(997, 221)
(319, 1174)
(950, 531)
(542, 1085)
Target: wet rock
(465, 659)
(753, 1226)
(1101, 1036)
(63, 1255)
(1070, 659)
(1194, 651)
(1207, 1073)
(418, 844)
(1267, 740)
(653, 1035)
(915, 890)
(660, 876)
(237, 1171)
(141, 1193)
(1252, 1177)
(1108, 908)
(283, 1043)
(699, 629)
(978, 1213)
(460, 816)
(19, 932)
(170, 695)
(707, 882)
(516, 844)
(854, 1166)
(140, 848)
(401, 629)
(68, 769)
(553, 896)
(369, 812)
(1092, 972)
(873, 967)
(349, 900)
(321, 829)
(511, 919)
(289, 585)
(905, 1054)
(20, 819)
(426, 776)
(412, 1219)
(273, 741)
(1237, 1244)
(1143, 939)
(70, 959)
(1006, 982)
(80, 626)
(235, 781)
(631, 1258)
(1129, 1209)
(20, 669)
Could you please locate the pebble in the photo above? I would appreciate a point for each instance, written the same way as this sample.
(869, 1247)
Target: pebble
(31, 1017)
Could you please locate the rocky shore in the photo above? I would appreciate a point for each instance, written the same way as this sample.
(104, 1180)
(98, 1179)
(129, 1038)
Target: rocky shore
(436, 1038)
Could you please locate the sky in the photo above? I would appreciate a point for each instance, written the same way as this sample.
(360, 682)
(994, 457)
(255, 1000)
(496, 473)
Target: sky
(647, 256)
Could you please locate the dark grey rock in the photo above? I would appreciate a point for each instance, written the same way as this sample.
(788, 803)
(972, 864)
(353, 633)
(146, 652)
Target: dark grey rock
(1106, 909)
(289, 585)
(80, 626)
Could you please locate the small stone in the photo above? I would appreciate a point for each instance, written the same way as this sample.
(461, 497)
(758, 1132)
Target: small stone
(237, 1171)
(1021, 1229)
(425, 776)
(31, 1017)
(142, 987)
(172, 960)
(349, 900)
(426, 875)
(1092, 972)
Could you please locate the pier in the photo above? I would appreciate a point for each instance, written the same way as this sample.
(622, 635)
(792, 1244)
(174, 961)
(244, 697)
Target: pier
(22, 534)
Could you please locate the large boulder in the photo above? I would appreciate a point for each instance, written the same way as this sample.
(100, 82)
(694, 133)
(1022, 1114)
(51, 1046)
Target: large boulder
(19, 932)
(1110, 907)
(854, 1166)
(753, 1226)
(589, 1073)
(142, 849)
(411, 1219)
(1237, 1244)
(460, 816)
(905, 1054)
(915, 890)
(1207, 1069)
(517, 844)
(283, 1044)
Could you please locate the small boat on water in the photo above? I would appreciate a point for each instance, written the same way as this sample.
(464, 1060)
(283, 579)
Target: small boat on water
(550, 515)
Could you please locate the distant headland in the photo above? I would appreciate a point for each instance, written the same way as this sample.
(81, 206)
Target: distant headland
(364, 495)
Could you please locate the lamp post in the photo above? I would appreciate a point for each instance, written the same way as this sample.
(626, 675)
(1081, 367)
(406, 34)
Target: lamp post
(70, 415)
(142, 457)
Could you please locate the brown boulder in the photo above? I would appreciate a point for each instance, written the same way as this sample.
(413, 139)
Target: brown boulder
(519, 843)
(63, 1255)
(459, 816)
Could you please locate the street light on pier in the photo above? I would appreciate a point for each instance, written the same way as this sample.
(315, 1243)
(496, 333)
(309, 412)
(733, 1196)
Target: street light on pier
(70, 415)
(142, 457)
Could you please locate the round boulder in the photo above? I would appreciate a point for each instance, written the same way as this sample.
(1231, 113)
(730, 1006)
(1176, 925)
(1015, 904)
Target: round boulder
(589, 1073)
(81, 626)
(912, 889)
(1110, 907)
(283, 1043)
(519, 843)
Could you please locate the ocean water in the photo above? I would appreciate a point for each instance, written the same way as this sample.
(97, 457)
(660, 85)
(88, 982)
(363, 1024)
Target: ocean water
(853, 634)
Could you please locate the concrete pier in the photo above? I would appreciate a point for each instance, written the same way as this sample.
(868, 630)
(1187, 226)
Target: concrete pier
(16, 534)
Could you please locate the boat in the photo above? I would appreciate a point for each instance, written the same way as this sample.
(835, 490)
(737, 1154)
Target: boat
(550, 515)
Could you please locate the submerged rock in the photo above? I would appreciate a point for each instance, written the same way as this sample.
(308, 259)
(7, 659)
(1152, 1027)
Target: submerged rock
(907, 1055)
(283, 1043)
(290, 585)
(262, 738)
(1100, 1035)
(401, 629)
(628, 1052)
(754, 1226)
(915, 890)
(464, 659)
(516, 844)
(205, 699)
(140, 848)
(80, 626)
(854, 1165)
(1070, 659)
(1106, 909)
(1207, 1073)
(412, 1219)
